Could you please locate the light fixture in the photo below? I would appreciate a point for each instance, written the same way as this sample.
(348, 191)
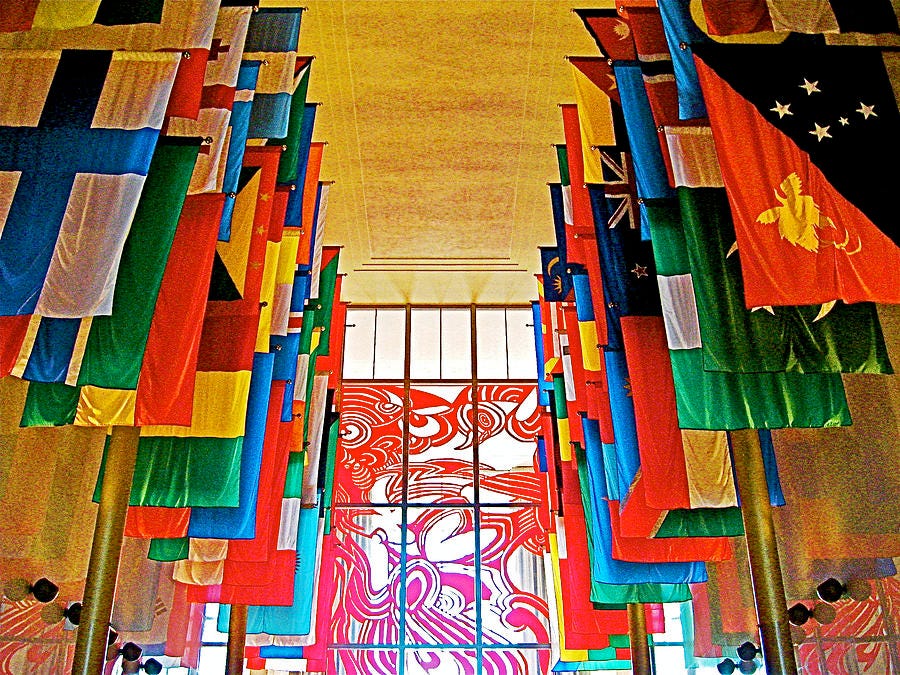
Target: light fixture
(43, 590)
(830, 590)
(799, 614)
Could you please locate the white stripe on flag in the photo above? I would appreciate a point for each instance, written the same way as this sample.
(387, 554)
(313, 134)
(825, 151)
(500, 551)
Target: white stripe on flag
(693, 153)
(81, 339)
(211, 123)
(300, 380)
(85, 263)
(231, 30)
(136, 91)
(290, 520)
(679, 308)
(314, 437)
(281, 309)
(316, 269)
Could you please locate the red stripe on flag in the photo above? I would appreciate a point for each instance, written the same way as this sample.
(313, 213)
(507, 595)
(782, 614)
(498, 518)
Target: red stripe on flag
(166, 383)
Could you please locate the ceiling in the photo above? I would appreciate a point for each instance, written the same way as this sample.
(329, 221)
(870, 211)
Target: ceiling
(439, 119)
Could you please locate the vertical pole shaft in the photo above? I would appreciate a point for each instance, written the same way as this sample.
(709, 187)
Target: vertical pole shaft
(640, 644)
(237, 639)
(103, 568)
(765, 567)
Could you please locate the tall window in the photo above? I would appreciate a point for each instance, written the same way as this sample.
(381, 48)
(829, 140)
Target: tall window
(439, 507)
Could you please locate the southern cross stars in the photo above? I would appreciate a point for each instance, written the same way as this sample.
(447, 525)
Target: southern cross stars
(782, 110)
(639, 271)
(866, 110)
(811, 87)
(821, 132)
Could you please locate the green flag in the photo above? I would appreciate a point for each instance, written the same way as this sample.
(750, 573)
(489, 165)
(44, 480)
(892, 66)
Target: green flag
(810, 339)
(719, 400)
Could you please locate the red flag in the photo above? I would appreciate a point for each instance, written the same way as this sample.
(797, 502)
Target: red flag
(815, 218)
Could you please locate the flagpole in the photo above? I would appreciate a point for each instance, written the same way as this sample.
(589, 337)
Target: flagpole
(103, 568)
(765, 567)
(640, 644)
(237, 640)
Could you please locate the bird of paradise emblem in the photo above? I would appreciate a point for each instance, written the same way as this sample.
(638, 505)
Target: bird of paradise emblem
(800, 220)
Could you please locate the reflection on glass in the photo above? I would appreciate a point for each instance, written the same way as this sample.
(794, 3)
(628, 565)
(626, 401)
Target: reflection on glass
(425, 344)
(520, 344)
(440, 576)
(490, 330)
(513, 581)
(364, 662)
(390, 343)
(456, 344)
(367, 577)
(441, 662)
(359, 344)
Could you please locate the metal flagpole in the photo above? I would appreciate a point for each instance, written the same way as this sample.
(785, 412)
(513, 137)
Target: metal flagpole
(765, 567)
(640, 644)
(103, 568)
(237, 639)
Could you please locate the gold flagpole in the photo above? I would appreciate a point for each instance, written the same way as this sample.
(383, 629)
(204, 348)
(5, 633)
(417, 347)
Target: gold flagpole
(103, 568)
(765, 567)
(640, 644)
(237, 639)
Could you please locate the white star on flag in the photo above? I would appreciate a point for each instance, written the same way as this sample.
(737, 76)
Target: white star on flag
(821, 132)
(782, 110)
(810, 87)
(866, 110)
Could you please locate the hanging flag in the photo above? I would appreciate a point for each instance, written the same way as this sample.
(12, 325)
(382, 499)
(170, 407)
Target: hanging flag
(294, 139)
(822, 16)
(650, 173)
(130, 26)
(716, 400)
(238, 127)
(595, 121)
(809, 339)
(814, 222)
(74, 123)
(56, 15)
(217, 97)
(272, 39)
(681, 34)
(610, 31)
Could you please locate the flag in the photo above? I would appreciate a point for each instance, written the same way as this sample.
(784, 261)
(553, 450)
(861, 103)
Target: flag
(809, 339)
(107, 351)
(57, 15)
(216, 99)
(183, 25)
(272, 39)
(815, 221)
(595, 121)
(681, 34)
(238, 128)
(734, 17)
(610, 31)
(716, 400)
(650, 173)
(833, 16)
(74, 124)
(293, 141)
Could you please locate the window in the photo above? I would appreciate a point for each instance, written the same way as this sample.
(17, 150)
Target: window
(439, 510)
